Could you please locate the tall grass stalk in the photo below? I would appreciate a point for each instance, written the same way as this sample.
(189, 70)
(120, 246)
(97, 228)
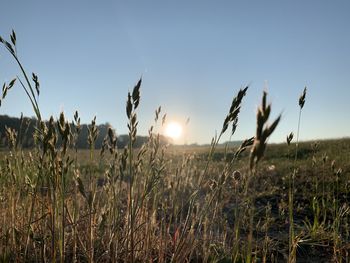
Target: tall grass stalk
(131, 105)
(292, 251)
(263, 132)
(32, 96)
(93, 132)
(231, 119)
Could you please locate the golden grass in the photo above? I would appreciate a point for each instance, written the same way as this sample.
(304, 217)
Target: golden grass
(162, 203)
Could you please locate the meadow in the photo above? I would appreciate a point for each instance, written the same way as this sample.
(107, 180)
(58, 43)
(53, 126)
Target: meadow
(161, 203)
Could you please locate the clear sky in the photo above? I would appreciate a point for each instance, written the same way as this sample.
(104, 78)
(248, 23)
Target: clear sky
(193, 56)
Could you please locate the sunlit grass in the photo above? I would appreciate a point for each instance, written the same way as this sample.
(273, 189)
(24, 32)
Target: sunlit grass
(168, 203)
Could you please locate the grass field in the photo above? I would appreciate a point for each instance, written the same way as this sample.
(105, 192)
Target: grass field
(159, 203)
(27, 210)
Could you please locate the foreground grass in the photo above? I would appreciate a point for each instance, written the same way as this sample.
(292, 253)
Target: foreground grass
(163, 213)
(164, 204)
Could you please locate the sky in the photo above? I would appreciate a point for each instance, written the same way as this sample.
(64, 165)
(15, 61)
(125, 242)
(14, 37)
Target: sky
(193, 57)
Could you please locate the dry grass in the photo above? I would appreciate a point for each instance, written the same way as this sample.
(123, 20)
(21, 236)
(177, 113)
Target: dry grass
(166, 204)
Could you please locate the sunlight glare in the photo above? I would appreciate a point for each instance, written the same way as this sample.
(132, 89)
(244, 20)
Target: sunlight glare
(173, 130)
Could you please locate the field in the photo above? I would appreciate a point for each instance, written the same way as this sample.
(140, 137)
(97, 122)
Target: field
(160, 203)
(172, 216)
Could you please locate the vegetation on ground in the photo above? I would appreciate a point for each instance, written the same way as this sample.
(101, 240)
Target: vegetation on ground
(161, 203)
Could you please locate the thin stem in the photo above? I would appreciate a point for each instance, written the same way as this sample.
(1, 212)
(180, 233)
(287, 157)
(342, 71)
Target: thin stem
(297, 142)
(91, 245)
(30, 98)
(131, 175)
(292, 251)
(28, 82)
(212, 150)
(63, 217)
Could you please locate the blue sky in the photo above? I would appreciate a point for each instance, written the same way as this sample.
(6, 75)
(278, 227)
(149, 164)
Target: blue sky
(193, 56)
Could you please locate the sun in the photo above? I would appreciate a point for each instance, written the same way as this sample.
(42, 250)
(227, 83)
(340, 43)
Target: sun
(173, 130)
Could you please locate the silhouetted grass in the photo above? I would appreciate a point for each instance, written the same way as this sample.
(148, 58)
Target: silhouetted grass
(160, 203)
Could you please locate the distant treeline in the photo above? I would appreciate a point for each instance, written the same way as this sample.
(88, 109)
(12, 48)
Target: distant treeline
(25, 128)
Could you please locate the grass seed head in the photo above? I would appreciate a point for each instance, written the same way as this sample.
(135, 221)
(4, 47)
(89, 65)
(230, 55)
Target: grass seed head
(237, 176)
(9, 47)
(36, 82)
(13, 37)
(129, 106)
(77, 122)
(339, 172)
(232, 116)
(136, 94)
(302, 99)
(324, 158)
(93, 132)
(290, 138)
(333, 165)
(157, 113)
(164, 119)
(61, 124)
(263, 131)
(11, 135)
(245, 144)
